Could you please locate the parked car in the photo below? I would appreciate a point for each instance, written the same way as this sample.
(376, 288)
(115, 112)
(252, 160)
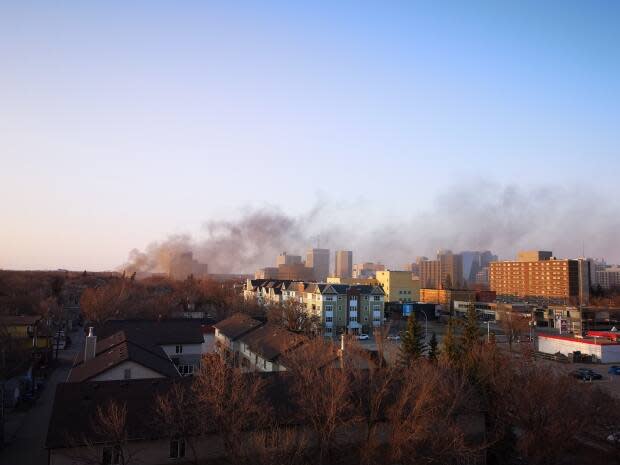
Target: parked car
(614, 370)
(586, 374)
(363, 337)
(393, 337)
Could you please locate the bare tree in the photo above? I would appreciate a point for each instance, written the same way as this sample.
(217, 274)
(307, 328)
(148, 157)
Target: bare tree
(105, 302)
(176, 412)
(108, 440)
(322, 392)
(229, 403)
(293, 316)
(514, 325)
(433, 417)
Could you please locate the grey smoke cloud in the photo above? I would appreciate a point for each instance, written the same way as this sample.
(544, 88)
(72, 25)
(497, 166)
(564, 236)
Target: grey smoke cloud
(475, 216)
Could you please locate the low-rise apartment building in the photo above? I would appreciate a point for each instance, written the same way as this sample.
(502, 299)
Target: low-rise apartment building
(341, 308)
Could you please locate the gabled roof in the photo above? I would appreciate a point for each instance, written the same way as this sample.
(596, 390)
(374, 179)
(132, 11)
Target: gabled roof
(270, 341)
(156, 332)
(237, 325)
(117, 349)
(19, 320)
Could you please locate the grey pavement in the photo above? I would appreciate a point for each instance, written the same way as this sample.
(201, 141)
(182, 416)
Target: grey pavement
(26, 431)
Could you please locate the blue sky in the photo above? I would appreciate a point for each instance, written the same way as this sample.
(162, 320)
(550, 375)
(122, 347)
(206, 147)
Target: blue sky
(122, 123)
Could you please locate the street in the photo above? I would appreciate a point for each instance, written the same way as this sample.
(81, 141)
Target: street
(26, 431)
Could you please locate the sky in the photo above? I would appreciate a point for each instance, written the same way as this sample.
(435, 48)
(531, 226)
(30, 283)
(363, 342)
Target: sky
(122, 123)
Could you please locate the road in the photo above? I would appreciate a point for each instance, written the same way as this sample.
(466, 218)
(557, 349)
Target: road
(27, 444)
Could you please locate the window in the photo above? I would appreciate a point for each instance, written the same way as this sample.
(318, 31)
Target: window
(329, 308)
(329, 319)
(177, 448)
(111, 456)
(179, 349)
(127, 373)
(377, 298)
(186, 370)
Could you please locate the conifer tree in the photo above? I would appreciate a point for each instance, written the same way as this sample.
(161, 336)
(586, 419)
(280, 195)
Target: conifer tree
(471, 331)
(451, 343)
(433, 349)
(412, 342)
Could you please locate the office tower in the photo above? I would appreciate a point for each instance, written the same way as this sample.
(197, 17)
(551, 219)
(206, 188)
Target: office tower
(286, 259)
(344, 264)
(318, 259)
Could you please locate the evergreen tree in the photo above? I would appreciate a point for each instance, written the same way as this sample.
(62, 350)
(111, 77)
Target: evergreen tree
(433, 349)
(412, 342)
(451, 343)
(471, 331)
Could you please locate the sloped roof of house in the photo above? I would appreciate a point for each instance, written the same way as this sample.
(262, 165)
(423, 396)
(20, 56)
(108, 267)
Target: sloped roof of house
(270, 341)
(117, 349)
(157, 332)
(237, 325)
(19, 320)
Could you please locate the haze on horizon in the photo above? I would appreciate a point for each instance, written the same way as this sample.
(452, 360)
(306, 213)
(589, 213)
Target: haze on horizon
(390, 130)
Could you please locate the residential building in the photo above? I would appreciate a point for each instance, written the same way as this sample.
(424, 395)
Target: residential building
(267, 273)
(119, 358)
(399, 286)
(430, 274)
(318, 260)
(183, 341)
(546, 281)
(446, 297)
(367, 269)
(229, 331)
(264, 347)
(344, 264)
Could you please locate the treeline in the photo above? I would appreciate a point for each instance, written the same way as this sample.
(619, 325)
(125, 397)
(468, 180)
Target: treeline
(483, 407)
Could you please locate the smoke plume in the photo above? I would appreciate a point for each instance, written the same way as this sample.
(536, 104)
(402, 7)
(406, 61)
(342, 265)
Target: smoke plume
(477, 216)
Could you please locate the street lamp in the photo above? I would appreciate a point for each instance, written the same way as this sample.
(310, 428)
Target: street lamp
(425, 324)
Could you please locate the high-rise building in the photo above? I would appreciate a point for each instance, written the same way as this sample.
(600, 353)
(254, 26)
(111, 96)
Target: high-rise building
(547, 280)
(444, 273)
(344, 264)
(367, 270)
(474, 262)
(183, 265)
(318, 259)
(286, 259)
(534, 255)
(608, 278)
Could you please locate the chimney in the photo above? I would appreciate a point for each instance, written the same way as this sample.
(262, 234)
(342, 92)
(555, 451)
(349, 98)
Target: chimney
(90, 348)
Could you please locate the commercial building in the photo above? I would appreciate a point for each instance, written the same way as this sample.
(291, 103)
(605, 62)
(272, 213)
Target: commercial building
(367, 269)
(534, 255)
(608, 278)
(286, 259)
(475, 262)
(351, 281)
(344, 264)
(294, 271)
(446, 297)
(318, 260)
(604, 349)
(545, 281)
(399, 286)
